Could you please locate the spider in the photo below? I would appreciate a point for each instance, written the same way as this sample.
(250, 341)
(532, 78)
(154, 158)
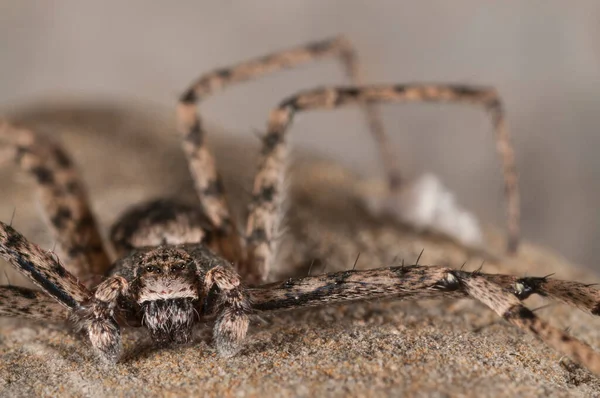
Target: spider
(179, 265)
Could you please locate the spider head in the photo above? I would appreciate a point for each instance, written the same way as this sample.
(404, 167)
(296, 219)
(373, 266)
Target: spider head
(166, 291)
(166, 273)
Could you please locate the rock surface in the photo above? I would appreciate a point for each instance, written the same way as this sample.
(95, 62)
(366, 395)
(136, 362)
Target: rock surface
(432, 348)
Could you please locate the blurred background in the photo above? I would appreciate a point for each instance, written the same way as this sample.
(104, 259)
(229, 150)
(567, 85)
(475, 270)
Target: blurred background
(543, 57)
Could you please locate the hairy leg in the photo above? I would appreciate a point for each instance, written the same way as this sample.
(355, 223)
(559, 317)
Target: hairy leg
(201, 162)
(410, 281)
(580, 295)
(265, 208)
(92, 312)
(63, 199)
(232, 307)
(97, 318)
(42, 267)
(21, 302)
(423, 282)
(404, 282)
(510, 308)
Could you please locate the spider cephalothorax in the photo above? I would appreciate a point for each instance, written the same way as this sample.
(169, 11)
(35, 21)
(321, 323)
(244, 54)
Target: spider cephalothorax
(167, 289)
(163, 283)
(180, 264)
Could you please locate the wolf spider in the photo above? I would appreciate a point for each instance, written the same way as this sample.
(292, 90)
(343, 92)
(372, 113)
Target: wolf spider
(179, 265)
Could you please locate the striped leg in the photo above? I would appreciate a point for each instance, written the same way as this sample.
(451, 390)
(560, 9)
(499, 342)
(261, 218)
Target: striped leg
(510, 308)
(265, 208)
(233, 308)
(20, 302)
(328, 289)
(63, 199)
(423, 282)
(201, 162)
(43, 268)
(93, 312)
(581, 295)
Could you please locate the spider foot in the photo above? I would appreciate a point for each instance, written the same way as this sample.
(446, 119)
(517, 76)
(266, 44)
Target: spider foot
(105, 336)
(97, 323)
(229, 333)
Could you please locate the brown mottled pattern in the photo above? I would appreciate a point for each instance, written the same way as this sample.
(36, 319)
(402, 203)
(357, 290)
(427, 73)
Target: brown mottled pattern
(63, 198)
(201, 162)
(510, 308)
(413, 282)
(265, 214)
(191, 284)
(21, 302)
(405, 282)
(234, 305)
(580, 295)
(111, 289)
(97, 318)
(42, 267)
(162, 221)
(410, 282)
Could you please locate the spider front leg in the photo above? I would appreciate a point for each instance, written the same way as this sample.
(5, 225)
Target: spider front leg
(20, 302)
(512, 309)
(429, 282)
(97, 318)
(42, 268)
(232, 306)
(265, 207)
(94, 313)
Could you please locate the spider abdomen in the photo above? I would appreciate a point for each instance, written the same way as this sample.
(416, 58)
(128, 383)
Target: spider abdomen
(159, 222)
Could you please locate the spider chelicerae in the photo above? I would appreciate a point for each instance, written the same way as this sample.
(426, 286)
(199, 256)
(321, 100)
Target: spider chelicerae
(179, 265)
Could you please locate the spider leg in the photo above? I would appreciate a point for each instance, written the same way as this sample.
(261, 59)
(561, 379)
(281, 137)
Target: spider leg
(21, 302)
(265, 207)
(201, 162)
(42, 267)
(509, 307)
(303, 292)
(63, 199)
(92, 312)
(233, 308)
(419, 282)
(580, 295)
(97, 318)
(398, 283)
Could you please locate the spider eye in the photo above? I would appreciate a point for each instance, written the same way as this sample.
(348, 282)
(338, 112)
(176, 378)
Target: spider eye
(177, 267)
(152, 269)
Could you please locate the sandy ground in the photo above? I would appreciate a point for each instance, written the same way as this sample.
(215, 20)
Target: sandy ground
(433, 348)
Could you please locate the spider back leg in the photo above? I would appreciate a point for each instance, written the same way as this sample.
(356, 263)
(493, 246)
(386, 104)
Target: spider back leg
(63, 198)
(265, 207)
(201, 162)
